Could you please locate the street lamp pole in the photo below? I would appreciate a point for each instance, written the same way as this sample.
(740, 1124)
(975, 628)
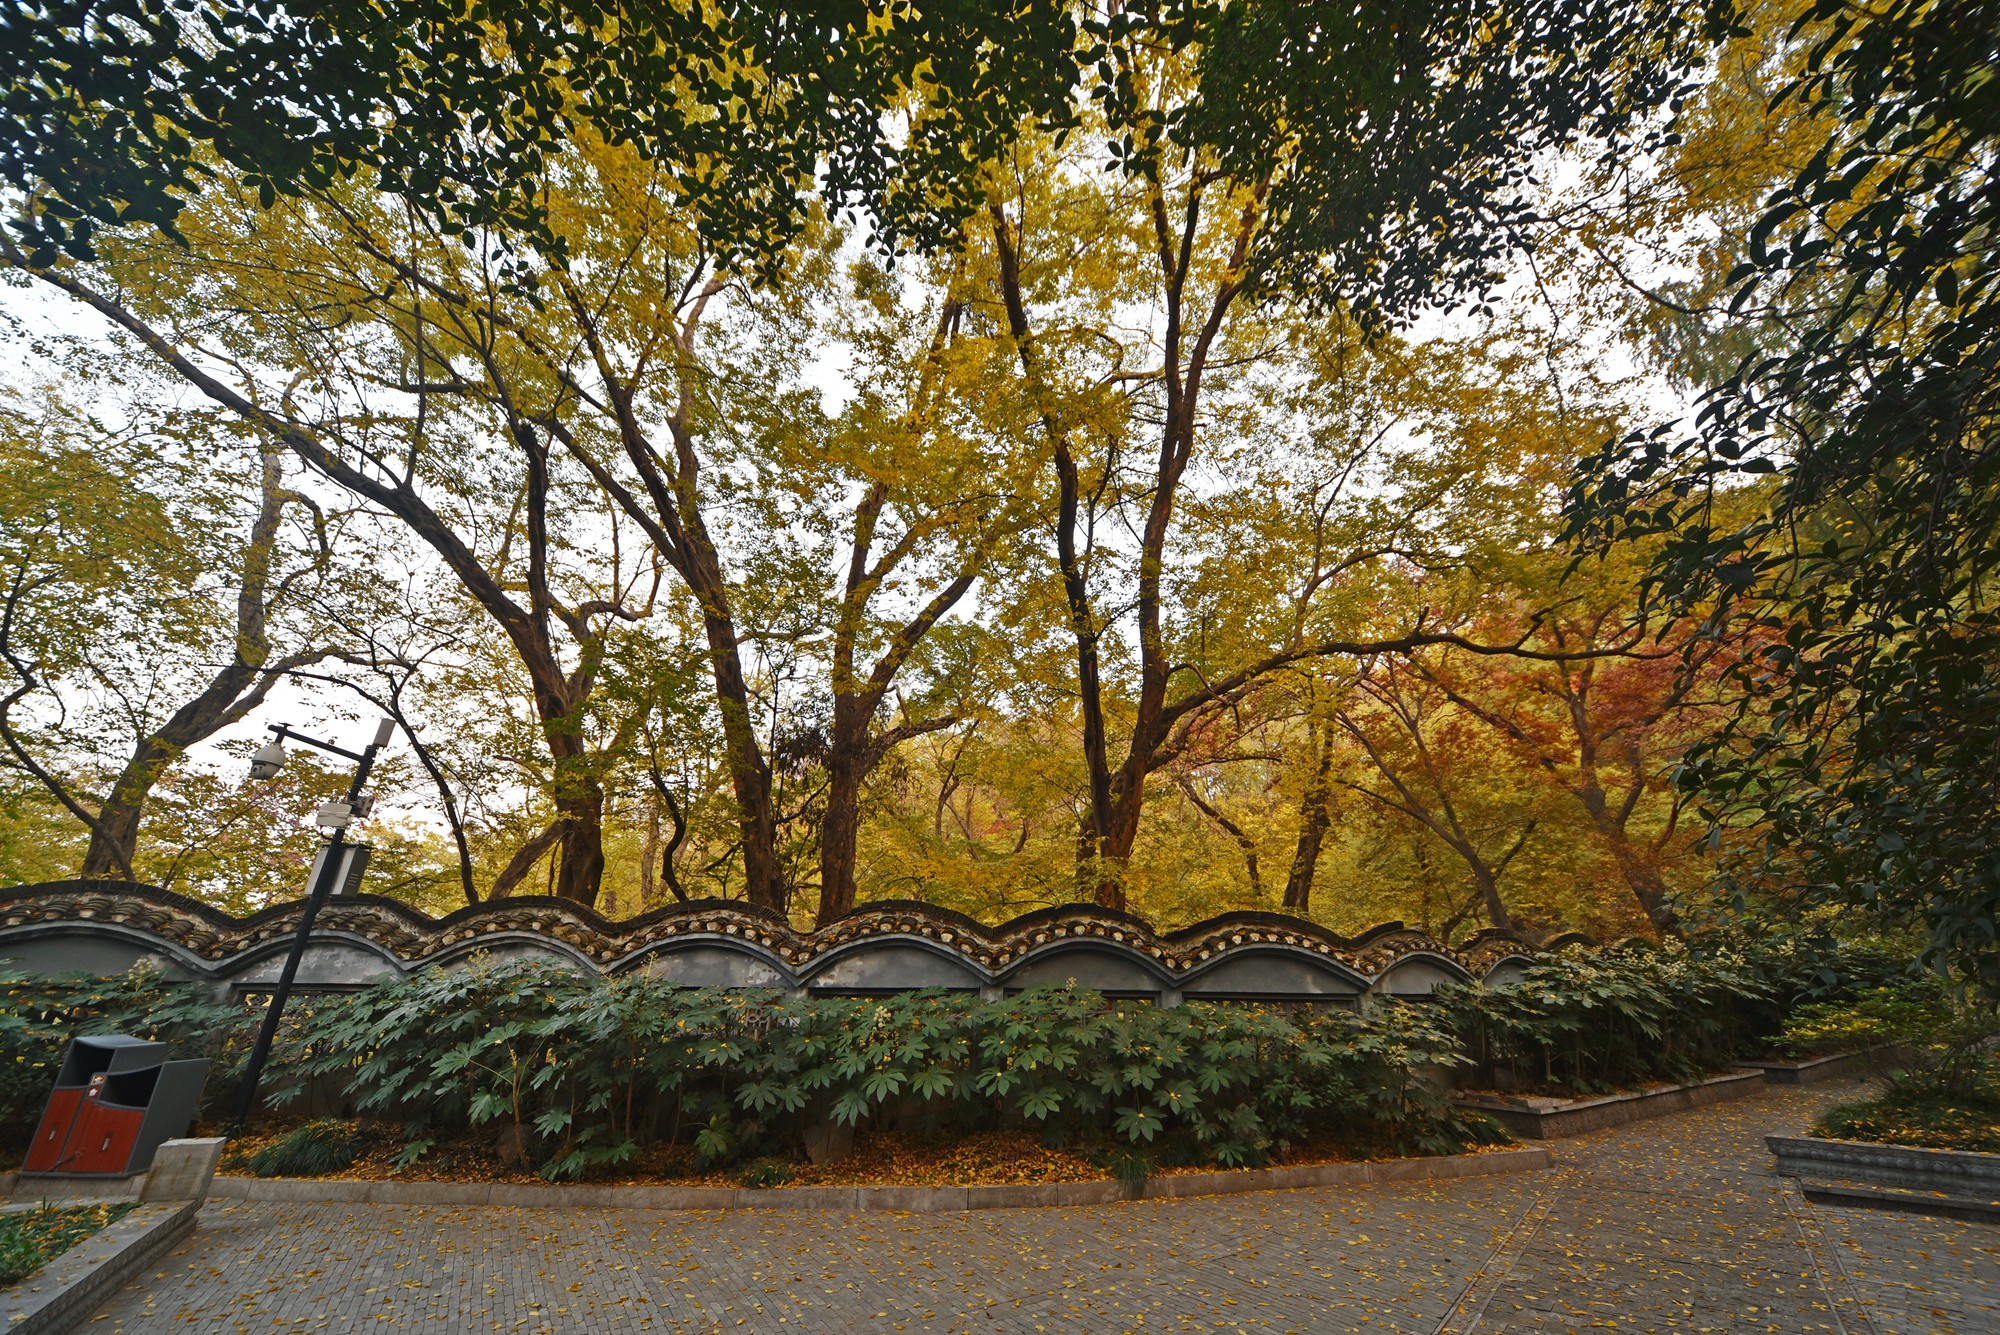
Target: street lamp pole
(267, 761)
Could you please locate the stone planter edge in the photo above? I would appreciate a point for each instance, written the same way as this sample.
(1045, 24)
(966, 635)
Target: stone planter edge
(1545, 1118)
(911, 1200)
(69, 1289)
(1963, 1172)
(1866, 1061)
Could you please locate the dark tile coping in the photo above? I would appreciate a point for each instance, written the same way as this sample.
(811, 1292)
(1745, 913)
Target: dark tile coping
(1941, 1204)
(1839, 1066)
(1542, 1118)
(1967, 1173)
(915, 1200)
(65, 1292)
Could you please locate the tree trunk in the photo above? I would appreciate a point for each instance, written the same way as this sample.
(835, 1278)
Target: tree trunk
(524, 860)
(1488, 881)
(1314, 817)
(749, 772)
(116, 836)
(847, 767)
(580, 869)
(1644, 880)
(237, 687)
(1640, 874)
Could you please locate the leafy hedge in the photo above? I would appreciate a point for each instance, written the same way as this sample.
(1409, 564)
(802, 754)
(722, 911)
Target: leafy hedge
(1946, 1094)
(1917, 1013)
(1590, 1021)
(586, 1070)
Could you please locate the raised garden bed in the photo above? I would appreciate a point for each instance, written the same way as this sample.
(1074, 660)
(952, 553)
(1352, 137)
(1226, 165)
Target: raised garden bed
(1839, 1066)
(65, 1292)
(32, 1236)
(1537, 1118)
(1960, 1172)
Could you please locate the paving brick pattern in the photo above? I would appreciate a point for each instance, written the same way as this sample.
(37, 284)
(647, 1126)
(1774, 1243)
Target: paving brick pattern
(1670, 1225)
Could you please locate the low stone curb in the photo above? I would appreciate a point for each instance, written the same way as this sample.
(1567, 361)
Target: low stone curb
(1840, 1066)
(1544, 1118)
(913, 1200)
(68, 1289)
(1851, 1195)
(181, 1171)
(1966, 1173)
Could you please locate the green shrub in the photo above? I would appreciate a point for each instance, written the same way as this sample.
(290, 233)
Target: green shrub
(313, 1150)
(1915, 1013)
(20, 1256)
(1948, 1104)
(591, 1068)
(30, 1239)
(1584, 1022)
(1805, 968)
(764, 1173)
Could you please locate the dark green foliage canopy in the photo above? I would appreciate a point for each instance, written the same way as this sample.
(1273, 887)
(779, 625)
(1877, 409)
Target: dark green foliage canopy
(114, 109)
(1866, 752)
(1392, 138)
(1396, 139)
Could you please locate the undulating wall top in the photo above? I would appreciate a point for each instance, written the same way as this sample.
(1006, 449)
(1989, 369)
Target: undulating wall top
(108, 926)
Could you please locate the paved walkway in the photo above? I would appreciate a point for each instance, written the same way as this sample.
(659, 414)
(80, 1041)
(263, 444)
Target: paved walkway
(1670, 1225)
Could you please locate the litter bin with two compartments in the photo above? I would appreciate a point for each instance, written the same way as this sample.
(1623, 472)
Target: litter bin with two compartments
(116, 1099)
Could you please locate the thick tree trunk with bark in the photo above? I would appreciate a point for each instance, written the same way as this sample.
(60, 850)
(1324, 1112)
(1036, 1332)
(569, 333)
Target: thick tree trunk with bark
(749, 771)
(846, 767)
(1315, 815)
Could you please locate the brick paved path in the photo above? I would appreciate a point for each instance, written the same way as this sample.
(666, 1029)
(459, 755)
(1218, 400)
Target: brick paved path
(1670, 1225)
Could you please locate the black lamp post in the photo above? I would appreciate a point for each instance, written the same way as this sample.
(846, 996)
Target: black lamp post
(268, 760)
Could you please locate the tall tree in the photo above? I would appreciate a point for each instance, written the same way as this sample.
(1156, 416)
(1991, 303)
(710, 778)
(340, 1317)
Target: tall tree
(1414, 743)
(239, 685)
(1352, 160)
(364, 398)
(151, 645)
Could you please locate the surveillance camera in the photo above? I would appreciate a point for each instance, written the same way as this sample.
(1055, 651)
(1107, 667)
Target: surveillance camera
(267, 760)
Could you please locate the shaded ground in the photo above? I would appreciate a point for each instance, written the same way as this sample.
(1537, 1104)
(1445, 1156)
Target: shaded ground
(1670, 1225)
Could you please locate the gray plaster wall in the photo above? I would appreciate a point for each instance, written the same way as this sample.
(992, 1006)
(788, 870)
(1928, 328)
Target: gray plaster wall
(104, 928)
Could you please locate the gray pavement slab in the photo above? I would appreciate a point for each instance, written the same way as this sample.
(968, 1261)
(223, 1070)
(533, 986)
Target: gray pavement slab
(1673, 1225)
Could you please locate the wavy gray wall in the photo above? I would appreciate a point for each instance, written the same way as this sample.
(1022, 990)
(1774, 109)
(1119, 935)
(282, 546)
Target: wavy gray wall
(107, 927)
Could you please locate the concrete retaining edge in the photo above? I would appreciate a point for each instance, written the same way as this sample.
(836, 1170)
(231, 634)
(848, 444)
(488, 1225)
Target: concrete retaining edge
(1961, 1172)
(1851, 1196)
(70, 1288)
(1544, 1118)
(912, 1200)
(1840, 1066)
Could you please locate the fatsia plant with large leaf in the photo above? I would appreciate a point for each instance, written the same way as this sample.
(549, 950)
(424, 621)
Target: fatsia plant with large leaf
(585, 1069)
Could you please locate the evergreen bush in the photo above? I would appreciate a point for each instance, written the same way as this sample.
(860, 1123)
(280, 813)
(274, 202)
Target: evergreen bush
(1583, 1021)
(589, 1069)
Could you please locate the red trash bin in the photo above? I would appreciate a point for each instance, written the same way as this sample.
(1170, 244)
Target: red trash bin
(116, 1099)
(53, 1133)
